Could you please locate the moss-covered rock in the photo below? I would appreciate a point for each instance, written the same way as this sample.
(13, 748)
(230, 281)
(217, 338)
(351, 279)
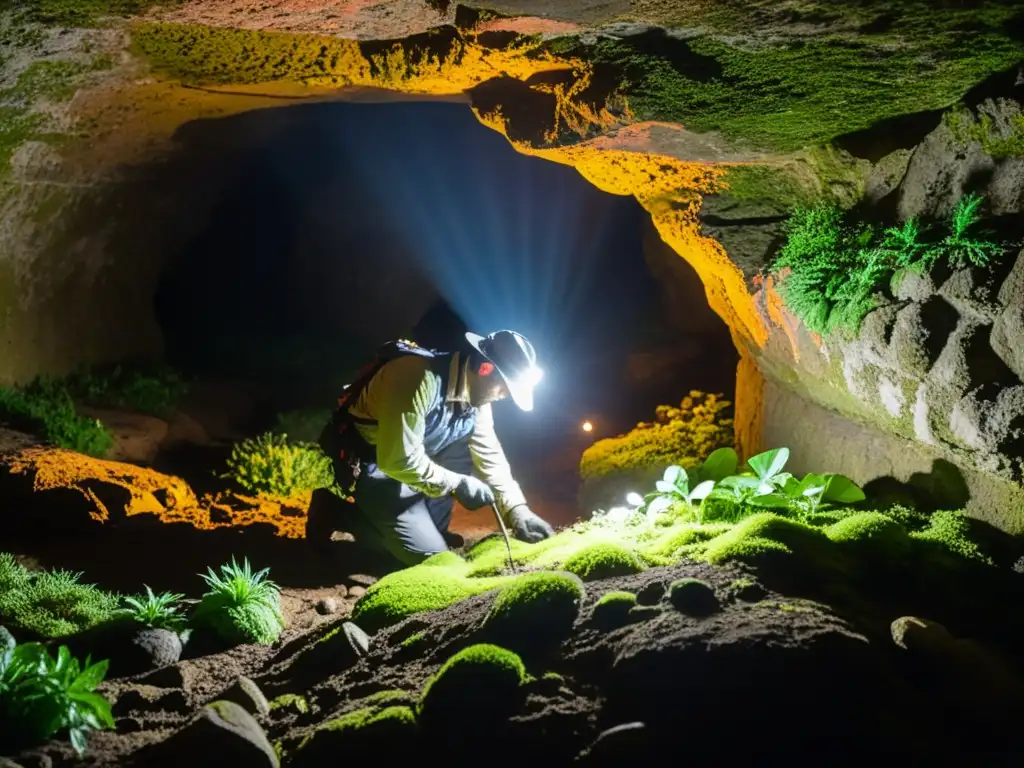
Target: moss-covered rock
(763, 538)
(612, 609)
(603, 560)
(693, 597)
(535, 610)
(871, 535)
(368, 730)
(952, 530)
(436, 583)
(480, 683)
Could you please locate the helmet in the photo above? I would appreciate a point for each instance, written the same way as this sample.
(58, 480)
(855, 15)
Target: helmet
(516, 361)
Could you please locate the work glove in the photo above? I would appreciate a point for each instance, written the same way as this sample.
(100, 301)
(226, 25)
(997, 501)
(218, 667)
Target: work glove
(526, 526)
(473, 493)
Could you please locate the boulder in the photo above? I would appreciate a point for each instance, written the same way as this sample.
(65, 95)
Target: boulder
(223, 734)
(248, 695)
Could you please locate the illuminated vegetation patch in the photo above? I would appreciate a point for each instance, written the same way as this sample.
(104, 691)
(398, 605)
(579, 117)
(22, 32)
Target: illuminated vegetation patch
(685, 435)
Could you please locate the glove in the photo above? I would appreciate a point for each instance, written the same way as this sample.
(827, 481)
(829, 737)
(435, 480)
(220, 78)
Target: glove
(527, 526)
(473, 493)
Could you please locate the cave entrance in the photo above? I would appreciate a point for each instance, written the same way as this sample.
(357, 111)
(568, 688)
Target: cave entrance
(322, 230)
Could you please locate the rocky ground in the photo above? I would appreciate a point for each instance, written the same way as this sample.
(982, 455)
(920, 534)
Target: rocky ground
(756, 662)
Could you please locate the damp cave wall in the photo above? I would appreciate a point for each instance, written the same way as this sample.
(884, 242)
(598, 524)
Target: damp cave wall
(75, 222)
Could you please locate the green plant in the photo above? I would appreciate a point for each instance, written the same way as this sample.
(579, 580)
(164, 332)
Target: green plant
(241, 606)
(153, 389)
(156, 611)
(831, 267)
(683, 435)
(51, 603)
(45, 405)
(41, 695)
(271, 464)
(603, 560)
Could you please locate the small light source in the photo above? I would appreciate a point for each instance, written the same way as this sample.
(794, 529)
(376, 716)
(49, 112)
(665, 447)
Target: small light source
(634, 499)
(587, 426)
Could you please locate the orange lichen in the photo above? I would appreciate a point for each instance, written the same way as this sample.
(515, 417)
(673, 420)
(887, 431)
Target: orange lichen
(780, 315)
(113, 490)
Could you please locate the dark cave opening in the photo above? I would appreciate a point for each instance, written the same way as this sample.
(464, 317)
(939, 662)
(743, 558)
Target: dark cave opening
(333, 227)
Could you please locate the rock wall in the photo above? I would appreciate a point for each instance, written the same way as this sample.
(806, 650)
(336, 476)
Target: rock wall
(935, 372)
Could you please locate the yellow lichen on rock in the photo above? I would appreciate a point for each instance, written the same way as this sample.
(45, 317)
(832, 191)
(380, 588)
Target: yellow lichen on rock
(107, 491)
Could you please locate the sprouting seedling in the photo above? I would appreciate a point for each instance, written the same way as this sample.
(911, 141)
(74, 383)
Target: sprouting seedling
(674, 487)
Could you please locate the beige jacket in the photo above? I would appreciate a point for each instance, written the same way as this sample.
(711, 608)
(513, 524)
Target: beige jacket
(398, 398)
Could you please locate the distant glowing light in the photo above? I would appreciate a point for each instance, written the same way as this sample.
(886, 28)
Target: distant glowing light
(587, 426)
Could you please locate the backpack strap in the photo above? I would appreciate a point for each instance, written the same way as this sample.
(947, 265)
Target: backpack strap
(339, 439)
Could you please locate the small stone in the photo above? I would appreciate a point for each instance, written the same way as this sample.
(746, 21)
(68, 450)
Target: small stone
(248, 695)
(223, 734)
(651, 594)
(356, 592)
(326, 606)
(357, 638)
(362, 579)
(693, 597)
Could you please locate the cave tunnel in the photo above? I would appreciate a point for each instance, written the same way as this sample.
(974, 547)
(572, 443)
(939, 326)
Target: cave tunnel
(336, 226)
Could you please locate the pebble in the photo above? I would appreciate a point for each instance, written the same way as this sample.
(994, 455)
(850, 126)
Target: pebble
(326, 606)
(356, 592)
(362, 579)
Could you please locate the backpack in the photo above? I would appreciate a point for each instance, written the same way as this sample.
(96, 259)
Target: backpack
(339, 439)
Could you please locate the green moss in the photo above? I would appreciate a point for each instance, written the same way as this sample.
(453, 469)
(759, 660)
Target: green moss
(412, 640)
(794, 93)
(480, 682)
(354, 730)
(536, 610)
(952, 530)
(777, 184)
(81, 13)
(604, 560)
(612, 609)
(390, 697)
(51, 603)
(52, 80)
(965, 128)
(424, 587)
(290, 701)
(870, 532)
(768, 535)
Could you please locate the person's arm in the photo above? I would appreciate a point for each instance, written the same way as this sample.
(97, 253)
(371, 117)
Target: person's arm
(401, 397)
(492, 465)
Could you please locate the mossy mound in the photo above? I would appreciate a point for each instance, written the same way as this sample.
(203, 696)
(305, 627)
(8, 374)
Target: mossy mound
(536, 610)
(841, 546)
(366, 730)
(479, 683)
(603, 561)
(762, 538)
(612, 609)
(693, 597)
(433, 584)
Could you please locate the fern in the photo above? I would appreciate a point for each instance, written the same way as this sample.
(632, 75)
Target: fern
(832, 268)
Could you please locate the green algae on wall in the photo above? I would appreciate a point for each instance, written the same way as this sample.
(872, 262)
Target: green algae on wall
(790, 95)
(996, 143)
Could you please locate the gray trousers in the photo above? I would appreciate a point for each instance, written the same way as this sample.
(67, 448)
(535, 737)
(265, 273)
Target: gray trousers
(390, 516)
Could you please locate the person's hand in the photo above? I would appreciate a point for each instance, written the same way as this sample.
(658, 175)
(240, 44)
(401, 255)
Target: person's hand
(473, 493)
(527, 526)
